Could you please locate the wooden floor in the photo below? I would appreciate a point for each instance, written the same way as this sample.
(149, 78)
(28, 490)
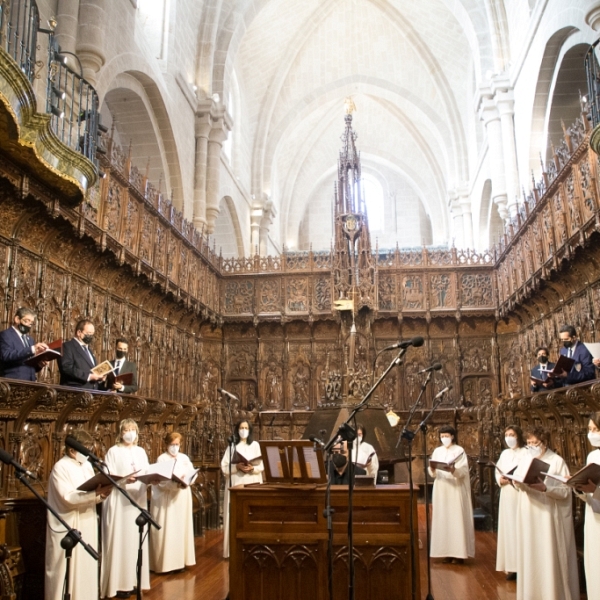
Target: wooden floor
(477, 579)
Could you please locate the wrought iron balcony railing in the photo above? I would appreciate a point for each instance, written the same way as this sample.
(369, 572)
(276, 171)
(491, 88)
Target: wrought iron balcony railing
(592, 70)
(19, 24)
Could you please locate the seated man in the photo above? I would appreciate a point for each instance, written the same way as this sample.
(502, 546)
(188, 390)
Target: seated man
(541, 370)
(583, 369)
(16, 346)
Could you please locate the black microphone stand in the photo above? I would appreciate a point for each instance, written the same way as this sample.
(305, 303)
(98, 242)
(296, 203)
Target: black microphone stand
(423, 428)
(141, 521)
(70, 540)
(409, 436)
(328, 514)
(347, 433)
(230, 446)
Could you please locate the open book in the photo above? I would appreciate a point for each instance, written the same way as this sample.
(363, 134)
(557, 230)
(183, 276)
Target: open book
(367, 462)
(238, 458)
(442, 465)
(501, 471)
(185, 475)
(591, 471)
(124, 378)
(564, 363)
(54, 351)
(169, 471)
(101, 479)
(529, 470)
(104, 368)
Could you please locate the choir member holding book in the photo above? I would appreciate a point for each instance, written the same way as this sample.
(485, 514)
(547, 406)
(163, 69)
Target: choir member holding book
(545, 544)
(244, 456)
(590, 493)
(507, 533)
(120, 535)
(363, 453)
(78, 509)
(172, 546)
(452, 530)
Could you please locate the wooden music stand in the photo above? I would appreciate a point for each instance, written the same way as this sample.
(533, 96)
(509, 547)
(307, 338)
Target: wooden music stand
(292, 461)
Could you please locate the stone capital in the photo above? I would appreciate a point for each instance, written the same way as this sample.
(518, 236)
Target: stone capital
(486, 107)
(593, 18)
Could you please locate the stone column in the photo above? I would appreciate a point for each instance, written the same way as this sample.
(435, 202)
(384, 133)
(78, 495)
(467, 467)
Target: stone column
(504, 100)
(203, 126)
(213, 168)
(256, 217)
(488, 113)
(457, 219)
(65, 33)
(265, 225)
(467, 217)
(91, 35)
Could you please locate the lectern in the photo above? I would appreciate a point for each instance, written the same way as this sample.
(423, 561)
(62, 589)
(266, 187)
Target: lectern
(278, 542)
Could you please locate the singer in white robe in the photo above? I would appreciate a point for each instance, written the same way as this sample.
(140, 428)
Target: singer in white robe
(172, 546)
(452, 528)
(546, 554)
(120, 534)
(78, 509)
(249, 449)
(591, 531)
(362, 450)
(506, 557)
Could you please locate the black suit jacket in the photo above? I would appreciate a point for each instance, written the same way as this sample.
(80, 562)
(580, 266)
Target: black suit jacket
(13, 355)
(537, 373)
(75, 366)
(128, 367)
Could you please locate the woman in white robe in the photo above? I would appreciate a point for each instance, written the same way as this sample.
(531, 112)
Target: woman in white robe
(363, 453)
(172, 546)
(591, 531)
(78, 509)
(546, 554)
(241, 474)
(452, 529)
(120, 534)
(506, 558)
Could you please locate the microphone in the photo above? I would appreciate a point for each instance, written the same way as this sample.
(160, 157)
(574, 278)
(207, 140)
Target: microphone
(434, 367)
(440, 394)
(226, 393)
(7, 459)
(315, 440)
(79, 447)
(416, 342)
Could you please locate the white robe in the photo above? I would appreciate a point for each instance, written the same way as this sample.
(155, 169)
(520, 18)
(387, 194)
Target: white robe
(591, 542)
(172, 546)
(546, 555)
(78, 509)
(362, 451)
(452, 529)
(238, 478)
(120, 534)
(506, 556)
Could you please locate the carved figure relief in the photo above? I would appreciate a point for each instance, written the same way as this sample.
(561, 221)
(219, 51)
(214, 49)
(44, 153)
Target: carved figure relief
(412, 292)
(476, 289)
(387, 292)
(238, 296)
(442, 291)
(322, 294)
(270, 295)
(297, 295)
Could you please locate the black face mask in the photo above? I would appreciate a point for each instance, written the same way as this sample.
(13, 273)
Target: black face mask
(88, 339)
(121, 353)
(567, 343)
(24, 328)
(543, 359)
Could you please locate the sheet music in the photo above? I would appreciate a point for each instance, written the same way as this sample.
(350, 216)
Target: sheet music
(274, 462)
(312, 462)
(296, 470)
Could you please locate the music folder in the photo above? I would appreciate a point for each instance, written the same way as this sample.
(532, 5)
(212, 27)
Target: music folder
(124, 378)
(581, 477)
(238, 458)
(442, 465)
(53, 352)
(529, 470)
(101, 479)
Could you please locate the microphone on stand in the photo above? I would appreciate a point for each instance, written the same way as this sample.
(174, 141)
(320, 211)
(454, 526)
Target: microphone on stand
(442, 392)
(434, 367)
(416, 342)
(79, 447)
(316, 441)
(229, 395)
(7, 459)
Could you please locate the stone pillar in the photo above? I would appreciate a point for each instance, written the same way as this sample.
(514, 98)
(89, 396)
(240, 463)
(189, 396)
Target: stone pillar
(488, 113)
(467, 217)
(504, 100)
(256, 217)
(203, 125)
(65, 33)
(457, 219)
(265, 223)
(213, 167)
(91, 34)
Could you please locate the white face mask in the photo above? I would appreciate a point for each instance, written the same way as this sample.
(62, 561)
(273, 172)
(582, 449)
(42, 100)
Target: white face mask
(359, 438)
(594, 437)
(174, 450)
(244, 433)
(446, 441)
(129, 437)
(80, 458)
(511, 442)
(534, 451)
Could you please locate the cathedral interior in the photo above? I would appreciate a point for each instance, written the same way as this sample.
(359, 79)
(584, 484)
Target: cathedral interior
(262, 195)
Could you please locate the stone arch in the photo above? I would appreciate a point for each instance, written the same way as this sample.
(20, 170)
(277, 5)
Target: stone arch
(228, 233)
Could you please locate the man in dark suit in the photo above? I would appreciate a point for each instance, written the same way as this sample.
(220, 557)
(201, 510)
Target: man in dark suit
(338, 468)
(16, 346)
(122, 366)
(541, 370)
(78, 360)
(583, 369)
